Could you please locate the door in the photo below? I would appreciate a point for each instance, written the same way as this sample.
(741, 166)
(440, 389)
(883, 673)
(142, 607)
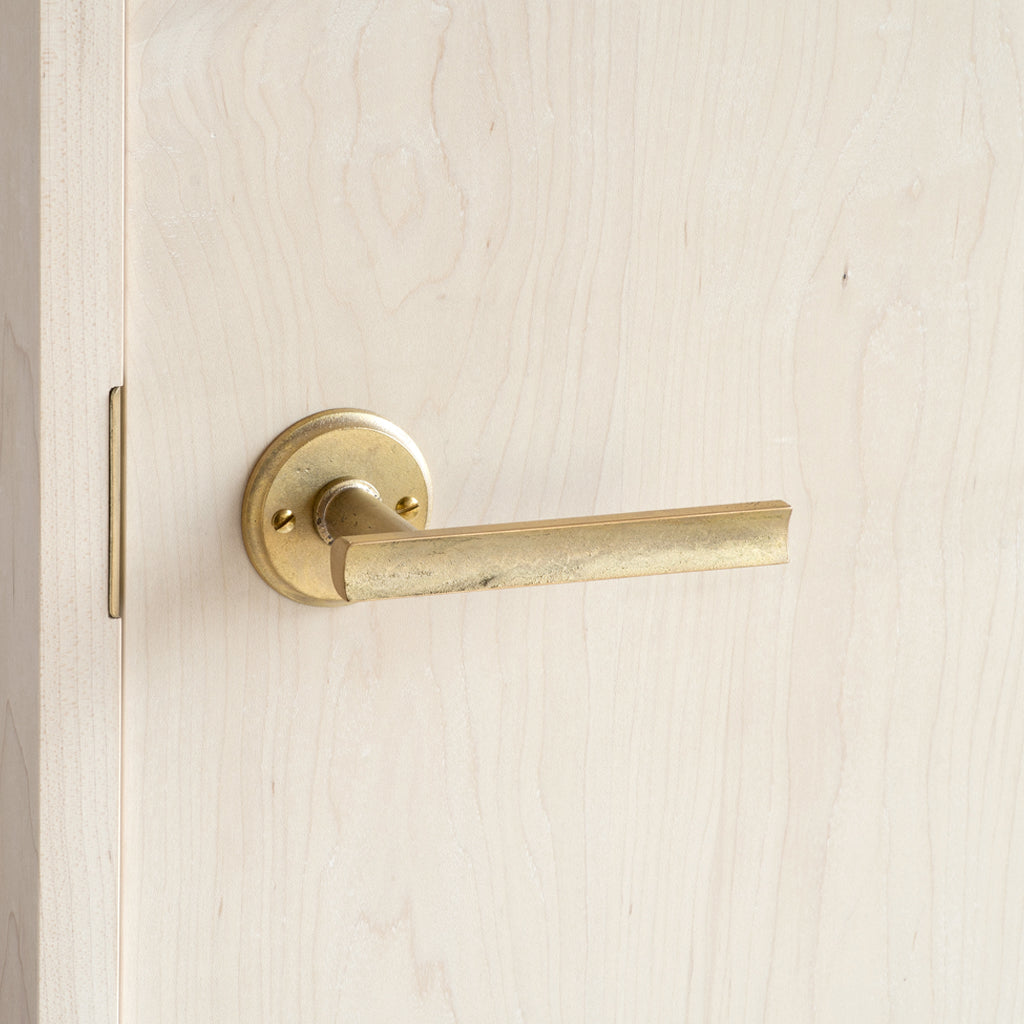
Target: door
(593, 258)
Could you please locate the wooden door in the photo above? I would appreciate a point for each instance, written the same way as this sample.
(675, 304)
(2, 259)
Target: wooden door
(594, 258)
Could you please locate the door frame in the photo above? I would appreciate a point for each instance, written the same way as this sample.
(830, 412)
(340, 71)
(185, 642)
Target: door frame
(61, 303)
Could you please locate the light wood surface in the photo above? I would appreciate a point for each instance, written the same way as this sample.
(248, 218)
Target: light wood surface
(19, 516)
(593, 260)
(61, 313)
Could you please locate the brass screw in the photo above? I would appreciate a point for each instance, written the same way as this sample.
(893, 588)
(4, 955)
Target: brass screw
(407, 506)
(284, 520)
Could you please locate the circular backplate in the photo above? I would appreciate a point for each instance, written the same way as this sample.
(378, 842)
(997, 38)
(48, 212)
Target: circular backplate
(286, 550)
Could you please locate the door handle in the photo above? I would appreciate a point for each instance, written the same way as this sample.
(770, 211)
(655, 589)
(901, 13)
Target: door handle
(335, 507)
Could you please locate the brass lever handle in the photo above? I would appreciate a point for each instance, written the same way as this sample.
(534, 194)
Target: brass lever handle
(377, 552)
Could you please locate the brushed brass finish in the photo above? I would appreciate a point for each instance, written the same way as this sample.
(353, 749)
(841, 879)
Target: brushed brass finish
(115, 543)
(331, 491)
(367, 567)
(351, 508)
(294, 469)
(354, 481)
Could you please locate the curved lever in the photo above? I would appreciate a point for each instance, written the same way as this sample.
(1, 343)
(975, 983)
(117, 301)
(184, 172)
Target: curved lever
(357, 482)
(376, 554)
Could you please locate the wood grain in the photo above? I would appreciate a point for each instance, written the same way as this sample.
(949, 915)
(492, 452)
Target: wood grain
(594, 259)
(61, 312)
(19, 514)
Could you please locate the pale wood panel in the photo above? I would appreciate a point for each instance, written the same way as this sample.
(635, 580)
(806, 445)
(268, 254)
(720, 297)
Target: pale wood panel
(19, 514)
(593, 260)
(61, 308)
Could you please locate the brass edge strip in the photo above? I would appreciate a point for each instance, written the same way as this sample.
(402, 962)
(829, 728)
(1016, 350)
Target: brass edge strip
(116, 472)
